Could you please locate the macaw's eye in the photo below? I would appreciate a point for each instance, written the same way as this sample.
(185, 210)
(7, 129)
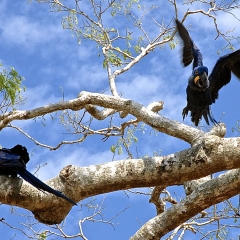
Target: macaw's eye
(196, 72)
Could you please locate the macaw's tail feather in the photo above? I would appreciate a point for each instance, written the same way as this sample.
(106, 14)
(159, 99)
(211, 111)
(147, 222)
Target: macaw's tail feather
(212, 119)
(13, 161)
(27, 176)
(197, 113)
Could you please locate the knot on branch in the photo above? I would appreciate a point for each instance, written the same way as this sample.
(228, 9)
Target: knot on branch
(65, 173)
(81, 94)
(67, 176)
(190, 186)
(211, 141)
(127, 105)
(218, 130)
(155, 106)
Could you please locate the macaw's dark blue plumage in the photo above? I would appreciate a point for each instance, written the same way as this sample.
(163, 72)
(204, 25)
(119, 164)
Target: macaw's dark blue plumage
(13, 161)
(202, 90)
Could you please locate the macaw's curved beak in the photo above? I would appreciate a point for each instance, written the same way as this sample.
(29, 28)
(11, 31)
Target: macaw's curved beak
(202, 80)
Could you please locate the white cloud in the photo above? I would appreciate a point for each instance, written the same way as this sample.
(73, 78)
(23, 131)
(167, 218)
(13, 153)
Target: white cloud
(39, 96)
(28, 32)
(89, 77)
(140, 88)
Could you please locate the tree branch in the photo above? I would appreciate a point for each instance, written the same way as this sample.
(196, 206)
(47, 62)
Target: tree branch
(160, 123)
(81, 182)
(206, 195)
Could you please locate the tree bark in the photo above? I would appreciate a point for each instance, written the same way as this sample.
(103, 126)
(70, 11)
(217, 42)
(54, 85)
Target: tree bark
(206, 195)
(214, 154)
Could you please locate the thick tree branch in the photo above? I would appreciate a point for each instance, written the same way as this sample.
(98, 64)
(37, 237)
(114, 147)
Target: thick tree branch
(81, 182)
(46, 207)
(206, 195)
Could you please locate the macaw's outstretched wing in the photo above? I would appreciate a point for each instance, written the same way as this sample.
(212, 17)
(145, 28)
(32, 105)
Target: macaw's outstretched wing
(190, 50)
(27, 176)
(221, 73)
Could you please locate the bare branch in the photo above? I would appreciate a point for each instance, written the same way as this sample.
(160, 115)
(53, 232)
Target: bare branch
(160, 123)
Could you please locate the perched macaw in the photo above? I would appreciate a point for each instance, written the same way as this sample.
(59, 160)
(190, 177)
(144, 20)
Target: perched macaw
(202, 90)
(13, 161)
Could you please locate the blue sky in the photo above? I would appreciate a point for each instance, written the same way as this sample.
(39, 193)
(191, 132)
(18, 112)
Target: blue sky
(51, 61)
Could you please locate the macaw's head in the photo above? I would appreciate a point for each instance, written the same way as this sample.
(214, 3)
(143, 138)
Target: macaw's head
(199, 78)
(22, 152)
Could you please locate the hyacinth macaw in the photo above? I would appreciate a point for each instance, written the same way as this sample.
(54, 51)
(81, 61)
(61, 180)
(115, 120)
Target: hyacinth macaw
(202, 89)
(13, 162)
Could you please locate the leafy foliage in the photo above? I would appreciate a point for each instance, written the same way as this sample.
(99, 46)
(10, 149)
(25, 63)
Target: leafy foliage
(10, 84)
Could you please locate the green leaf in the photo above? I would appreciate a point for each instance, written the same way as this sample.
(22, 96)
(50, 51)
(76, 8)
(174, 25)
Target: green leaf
(42, 236)
(127, 52)
(10, 84)
(135, 139)
(137, 49)
(105, 63)
(120, 151)
(113, 148)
